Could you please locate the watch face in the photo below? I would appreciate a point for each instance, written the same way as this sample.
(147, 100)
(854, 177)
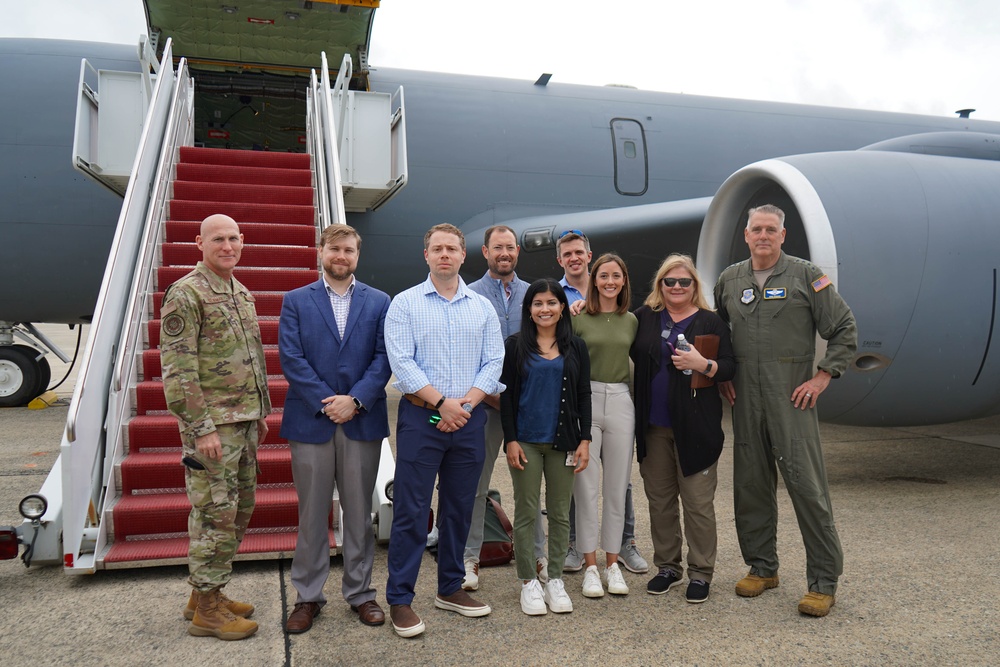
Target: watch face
(467, 407)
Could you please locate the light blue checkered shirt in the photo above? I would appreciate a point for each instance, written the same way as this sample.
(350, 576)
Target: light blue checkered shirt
(341, 305)
(451, 345)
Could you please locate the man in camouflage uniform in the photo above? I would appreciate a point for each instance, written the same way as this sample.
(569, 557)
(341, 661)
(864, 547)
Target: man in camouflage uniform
(215, 383)
(776, 304)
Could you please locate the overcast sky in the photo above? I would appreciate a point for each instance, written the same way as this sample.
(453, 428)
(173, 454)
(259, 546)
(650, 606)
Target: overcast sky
(922, 56)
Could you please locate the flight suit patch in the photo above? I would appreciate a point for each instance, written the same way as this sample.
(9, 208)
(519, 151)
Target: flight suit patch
(173, 325)
(774, 293)
(821, 283)
(748, 295)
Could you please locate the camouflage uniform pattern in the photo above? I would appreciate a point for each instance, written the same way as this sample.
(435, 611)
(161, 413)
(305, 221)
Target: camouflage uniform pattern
(215, 379)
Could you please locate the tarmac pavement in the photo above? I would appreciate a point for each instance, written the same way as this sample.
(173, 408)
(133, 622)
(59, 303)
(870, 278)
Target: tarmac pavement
(917, 511)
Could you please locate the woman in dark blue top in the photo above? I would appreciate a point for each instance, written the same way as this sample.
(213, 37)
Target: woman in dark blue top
(545, 412)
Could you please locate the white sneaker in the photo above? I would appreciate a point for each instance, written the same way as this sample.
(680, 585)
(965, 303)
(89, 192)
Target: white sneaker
(542, 569)
(532, 601)
(556, 597)
(615, 581)
(471, 580)
(592, 587)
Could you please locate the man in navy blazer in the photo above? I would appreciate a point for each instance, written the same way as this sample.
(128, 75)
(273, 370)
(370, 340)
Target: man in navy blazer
(333, 355)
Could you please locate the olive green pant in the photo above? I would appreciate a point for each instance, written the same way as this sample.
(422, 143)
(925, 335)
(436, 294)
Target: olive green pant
(222, 500)
(543, 461)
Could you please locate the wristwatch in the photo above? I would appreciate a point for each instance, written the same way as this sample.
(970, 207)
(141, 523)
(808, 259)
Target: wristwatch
(467, 407)
(437, 406)
(360, 406)
(708, 369)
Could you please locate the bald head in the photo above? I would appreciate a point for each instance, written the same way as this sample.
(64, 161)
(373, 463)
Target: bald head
(221, 244)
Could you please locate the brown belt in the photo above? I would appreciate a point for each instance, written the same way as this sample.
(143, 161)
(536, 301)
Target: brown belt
(419, 402)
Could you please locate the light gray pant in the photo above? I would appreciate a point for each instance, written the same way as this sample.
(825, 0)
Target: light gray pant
(494, 441)
(353, 465)
(613, 433)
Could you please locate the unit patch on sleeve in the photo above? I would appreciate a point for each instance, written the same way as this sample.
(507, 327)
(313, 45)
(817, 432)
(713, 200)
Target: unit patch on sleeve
(821, 283)
(173, 324)
(774, 293)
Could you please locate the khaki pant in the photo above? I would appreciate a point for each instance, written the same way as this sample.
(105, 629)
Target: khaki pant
(665, 484)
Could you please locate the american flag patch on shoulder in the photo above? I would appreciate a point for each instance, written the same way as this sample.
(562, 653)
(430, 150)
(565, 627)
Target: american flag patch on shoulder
(821, 282)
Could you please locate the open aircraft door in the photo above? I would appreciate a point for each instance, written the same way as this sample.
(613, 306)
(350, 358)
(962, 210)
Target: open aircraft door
(110, 112)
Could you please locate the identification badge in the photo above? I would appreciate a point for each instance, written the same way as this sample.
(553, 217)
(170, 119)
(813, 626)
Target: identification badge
(569, 459)
(747, 295)
(774, 293)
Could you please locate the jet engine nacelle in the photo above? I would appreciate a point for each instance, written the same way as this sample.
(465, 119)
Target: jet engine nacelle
(912, 242)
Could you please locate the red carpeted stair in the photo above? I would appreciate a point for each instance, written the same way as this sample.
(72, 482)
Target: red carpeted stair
(270, 195)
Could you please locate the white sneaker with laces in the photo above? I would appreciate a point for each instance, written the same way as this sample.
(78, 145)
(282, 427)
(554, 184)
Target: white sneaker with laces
(592, 587)
(471, 580)
(616, 582)
(532, 600)
(542, 569)
(556, 597)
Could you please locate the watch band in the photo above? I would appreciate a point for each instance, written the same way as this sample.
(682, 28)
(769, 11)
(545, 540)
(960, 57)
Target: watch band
(708, 369)
(437, 406)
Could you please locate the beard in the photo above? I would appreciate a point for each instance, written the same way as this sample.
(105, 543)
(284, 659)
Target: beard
(338, 271)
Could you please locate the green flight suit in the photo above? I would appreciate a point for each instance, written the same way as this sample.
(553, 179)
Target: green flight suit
(215, 380)
(774, 337)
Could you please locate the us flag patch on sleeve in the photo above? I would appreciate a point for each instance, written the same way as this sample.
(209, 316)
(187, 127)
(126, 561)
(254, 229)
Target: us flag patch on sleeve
(821, 283)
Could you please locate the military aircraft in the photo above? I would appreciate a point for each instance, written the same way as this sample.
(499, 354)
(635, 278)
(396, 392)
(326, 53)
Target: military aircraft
(899, 209)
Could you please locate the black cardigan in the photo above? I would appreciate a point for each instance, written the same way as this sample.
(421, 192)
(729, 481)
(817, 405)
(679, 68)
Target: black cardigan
(696, 415)
(575, 409)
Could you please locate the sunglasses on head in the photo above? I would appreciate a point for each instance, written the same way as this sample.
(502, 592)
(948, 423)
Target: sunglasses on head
(573, 231)
(684, 282)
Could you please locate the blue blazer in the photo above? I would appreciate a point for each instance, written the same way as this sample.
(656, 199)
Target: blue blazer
(318, 364)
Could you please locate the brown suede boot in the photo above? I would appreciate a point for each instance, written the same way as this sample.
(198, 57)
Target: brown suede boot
(241, 609)
(213, 619)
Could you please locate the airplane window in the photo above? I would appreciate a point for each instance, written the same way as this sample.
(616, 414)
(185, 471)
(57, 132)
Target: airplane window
(630, 149)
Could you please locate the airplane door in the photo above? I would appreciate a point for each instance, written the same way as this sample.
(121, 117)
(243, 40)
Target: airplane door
(631, 164)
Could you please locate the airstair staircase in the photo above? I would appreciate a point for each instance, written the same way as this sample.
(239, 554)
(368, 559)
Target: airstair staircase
(115, 497)
(271, 195)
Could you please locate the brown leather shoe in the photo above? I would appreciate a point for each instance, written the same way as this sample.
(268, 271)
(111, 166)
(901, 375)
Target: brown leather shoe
(752, 585)
(405, 621)
(301, 618)
(462, 603)
(370, 613)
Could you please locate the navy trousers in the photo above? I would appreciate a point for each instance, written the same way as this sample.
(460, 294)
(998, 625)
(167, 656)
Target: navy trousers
(423, 453)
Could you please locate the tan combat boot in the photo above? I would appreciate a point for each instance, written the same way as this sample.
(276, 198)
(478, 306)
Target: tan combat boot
(241, 609)
(213, 619)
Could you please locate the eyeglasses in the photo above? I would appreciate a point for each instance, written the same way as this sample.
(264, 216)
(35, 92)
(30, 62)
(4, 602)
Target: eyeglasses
(665, 334)
(573, 231)
(684, 282)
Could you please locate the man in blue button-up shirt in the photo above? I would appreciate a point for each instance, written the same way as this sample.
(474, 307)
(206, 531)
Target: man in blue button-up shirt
(505, 291)
(445, 347)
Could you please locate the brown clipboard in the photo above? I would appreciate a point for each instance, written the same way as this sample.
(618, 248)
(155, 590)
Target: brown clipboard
(708, 346)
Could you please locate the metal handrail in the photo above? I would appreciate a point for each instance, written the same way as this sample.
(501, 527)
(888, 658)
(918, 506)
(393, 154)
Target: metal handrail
(114, 256)
(331, 149)
(315, 131)
(158, 198)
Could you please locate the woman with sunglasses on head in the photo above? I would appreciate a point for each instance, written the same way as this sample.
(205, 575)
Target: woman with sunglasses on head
(545, 413)
(608, 328)
(678, 429)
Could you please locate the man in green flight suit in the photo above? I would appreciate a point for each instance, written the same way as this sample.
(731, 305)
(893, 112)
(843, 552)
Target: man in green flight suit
(776, 304)
(215, 382)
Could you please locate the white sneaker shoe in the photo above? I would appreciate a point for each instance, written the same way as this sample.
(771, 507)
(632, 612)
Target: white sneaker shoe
(542, 569)
(556, 597)
(532, 601)
(592, 587)
(615, 581)
(471, 580)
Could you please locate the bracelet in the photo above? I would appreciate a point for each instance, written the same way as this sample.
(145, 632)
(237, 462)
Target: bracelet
(437, 406)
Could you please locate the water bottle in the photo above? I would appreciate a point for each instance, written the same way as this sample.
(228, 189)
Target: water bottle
(682, 344)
